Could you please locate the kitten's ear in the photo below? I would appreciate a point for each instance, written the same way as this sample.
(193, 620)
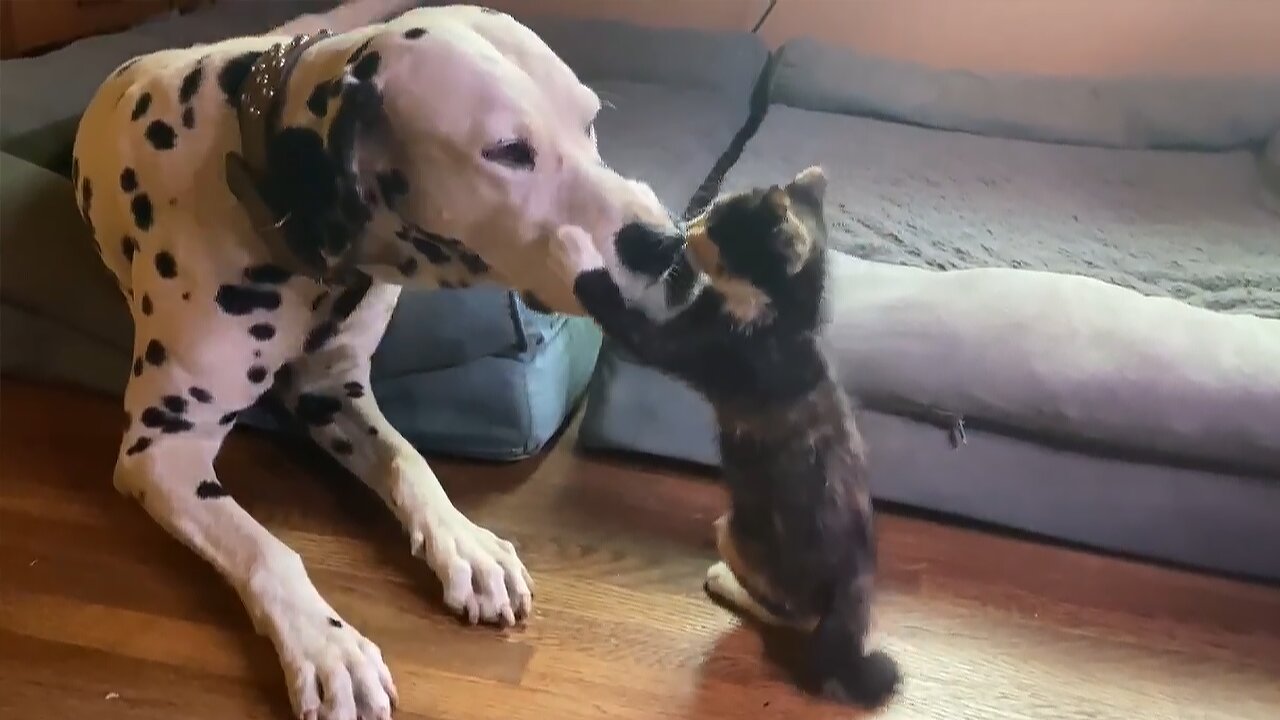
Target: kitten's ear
(777, 203)
(811, 183)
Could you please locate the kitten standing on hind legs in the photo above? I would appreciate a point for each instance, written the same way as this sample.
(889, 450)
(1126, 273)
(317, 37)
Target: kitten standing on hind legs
(744, 288)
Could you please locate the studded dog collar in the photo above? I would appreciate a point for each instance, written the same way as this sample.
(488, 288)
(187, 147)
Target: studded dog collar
(258, 114)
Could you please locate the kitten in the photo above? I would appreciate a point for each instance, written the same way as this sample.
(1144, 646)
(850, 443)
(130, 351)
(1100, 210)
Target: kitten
(798, 547)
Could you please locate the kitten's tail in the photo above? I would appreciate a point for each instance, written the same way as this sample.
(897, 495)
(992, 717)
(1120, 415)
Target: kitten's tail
(844, 670)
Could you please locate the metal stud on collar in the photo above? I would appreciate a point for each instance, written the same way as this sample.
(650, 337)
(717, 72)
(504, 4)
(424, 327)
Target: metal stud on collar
(258, 114)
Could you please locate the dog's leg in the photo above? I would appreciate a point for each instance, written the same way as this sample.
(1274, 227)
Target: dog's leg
(166, 464)
(328, 391)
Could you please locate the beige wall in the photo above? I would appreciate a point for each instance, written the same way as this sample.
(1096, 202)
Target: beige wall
(1067, 37)
(1047, 36)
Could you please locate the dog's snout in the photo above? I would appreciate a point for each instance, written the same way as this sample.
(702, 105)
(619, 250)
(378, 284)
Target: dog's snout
(646, 249)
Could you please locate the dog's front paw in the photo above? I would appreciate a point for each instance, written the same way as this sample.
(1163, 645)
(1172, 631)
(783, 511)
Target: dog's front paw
(573, 253)
(484, 580)
(334, 672)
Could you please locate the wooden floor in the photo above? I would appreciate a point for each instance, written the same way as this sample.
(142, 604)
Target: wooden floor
(102, 616)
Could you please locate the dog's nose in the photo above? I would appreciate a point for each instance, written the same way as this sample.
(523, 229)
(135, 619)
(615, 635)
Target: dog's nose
(648, 250)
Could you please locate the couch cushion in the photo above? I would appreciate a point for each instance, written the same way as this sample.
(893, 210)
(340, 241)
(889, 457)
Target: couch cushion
(1187, 225)
(1203, 113)
(1060, 359)
(1217, 521)
(721, 62)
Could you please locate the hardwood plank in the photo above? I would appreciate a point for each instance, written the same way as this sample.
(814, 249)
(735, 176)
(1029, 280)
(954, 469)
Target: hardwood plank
(97, 601)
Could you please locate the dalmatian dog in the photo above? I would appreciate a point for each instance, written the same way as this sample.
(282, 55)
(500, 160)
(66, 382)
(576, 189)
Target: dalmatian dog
(445, 147)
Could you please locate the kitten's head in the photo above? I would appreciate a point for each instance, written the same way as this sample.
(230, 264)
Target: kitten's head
(762, 249)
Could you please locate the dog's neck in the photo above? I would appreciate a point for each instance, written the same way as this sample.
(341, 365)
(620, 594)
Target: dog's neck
(386, 246)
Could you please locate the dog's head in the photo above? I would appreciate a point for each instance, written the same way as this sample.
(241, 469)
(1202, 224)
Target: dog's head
(467, 127)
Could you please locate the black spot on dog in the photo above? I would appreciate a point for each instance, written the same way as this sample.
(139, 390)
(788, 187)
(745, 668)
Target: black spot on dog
(161, 135)
(191, 84)
(433, 253)
(303, 182)
(408, 267)
(86, 196)
(262, 331)
(137, 367)
(167, 423)
(350, 298)
(414, 33)
(210, 490)
(319, 335)
(359, 52)
(342, 447)
(232, 75)
(473, 263)
(317, 410)
(186, 296)
(175, 404)
(373, 431)
(353, 389)
(267, 274)
(367, 67)
(315, 304)
(146, 304)
(75, 171)
(392, 184)
(446, 284)
(143, 213)
(431, 250)
(284, 375)
(335, 622)
(228, 418)
(166, 266)
(534, 302)
(188, 117)
(318, 100)
(242, 299)
(141, 107)
(128, 180)
(257, 353)
(256, 374)
(138, 446)
(155, 353)
(354, 210)
(200, 395)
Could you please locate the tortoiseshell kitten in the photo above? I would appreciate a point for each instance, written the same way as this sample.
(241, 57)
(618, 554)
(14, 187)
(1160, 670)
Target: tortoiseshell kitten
(798, 546)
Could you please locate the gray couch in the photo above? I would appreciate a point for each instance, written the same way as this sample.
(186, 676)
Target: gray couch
(1057, 301)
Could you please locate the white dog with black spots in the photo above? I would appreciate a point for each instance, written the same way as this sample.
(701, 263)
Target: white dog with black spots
(445, 147)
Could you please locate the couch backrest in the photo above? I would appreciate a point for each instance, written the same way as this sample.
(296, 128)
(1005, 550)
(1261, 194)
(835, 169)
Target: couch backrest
(1196, 113)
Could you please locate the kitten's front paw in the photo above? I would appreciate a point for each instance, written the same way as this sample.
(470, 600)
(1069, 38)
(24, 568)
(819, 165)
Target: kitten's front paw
(573, 253)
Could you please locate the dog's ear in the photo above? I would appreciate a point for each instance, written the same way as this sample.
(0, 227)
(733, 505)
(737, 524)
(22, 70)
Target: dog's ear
(314, 182)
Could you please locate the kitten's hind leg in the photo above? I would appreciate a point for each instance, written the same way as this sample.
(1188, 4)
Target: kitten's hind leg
(723, 585)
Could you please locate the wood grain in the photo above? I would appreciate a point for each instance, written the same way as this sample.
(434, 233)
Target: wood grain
(103, 616)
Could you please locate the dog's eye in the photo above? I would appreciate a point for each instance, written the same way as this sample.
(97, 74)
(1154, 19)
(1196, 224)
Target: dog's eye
(517, 154)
